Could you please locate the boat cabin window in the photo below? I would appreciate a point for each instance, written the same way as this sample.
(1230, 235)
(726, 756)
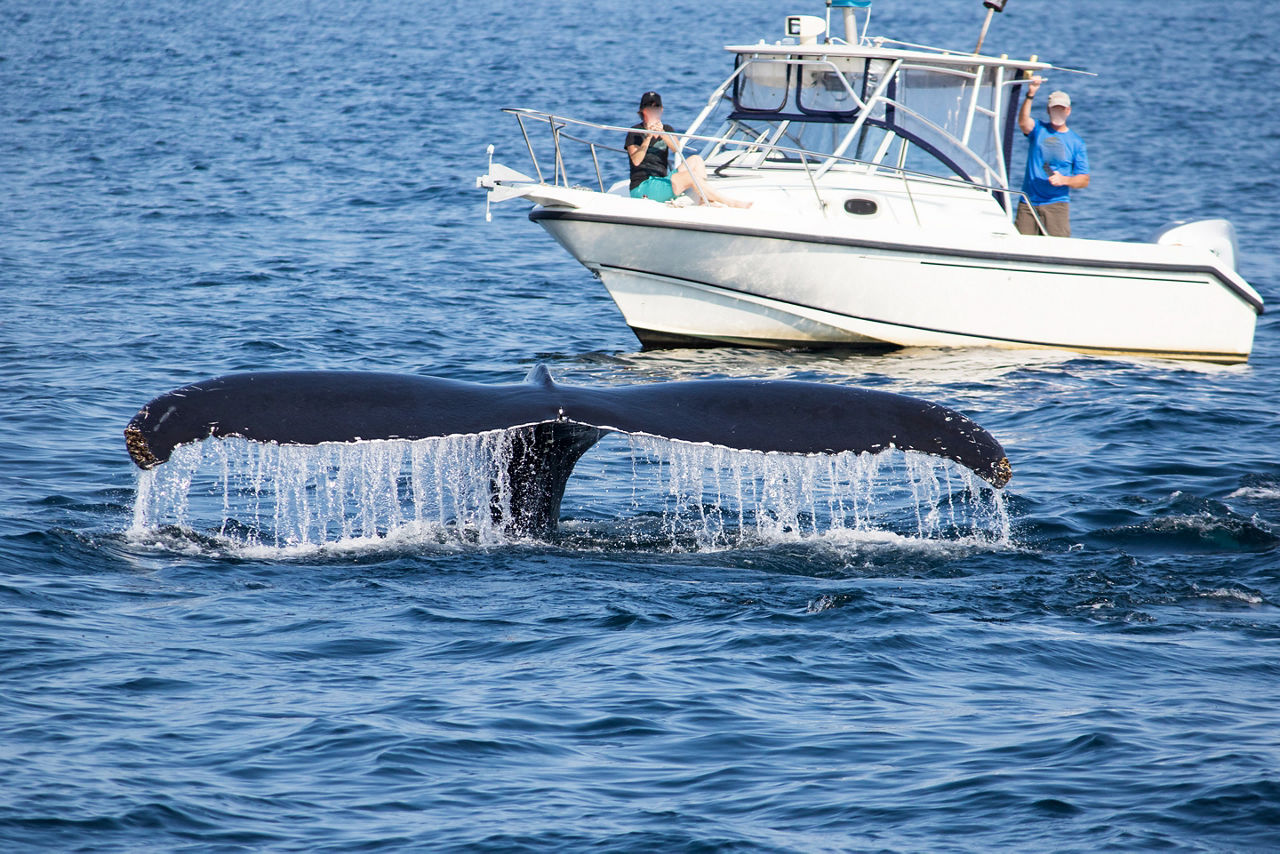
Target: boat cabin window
(840, 86)
(937, 111)
(820, 139)
(826, 138)
(763, 87)
(830, 88)
(939, 119)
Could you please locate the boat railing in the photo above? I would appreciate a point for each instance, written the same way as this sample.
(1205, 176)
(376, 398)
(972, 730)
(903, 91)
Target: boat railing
(763, 149)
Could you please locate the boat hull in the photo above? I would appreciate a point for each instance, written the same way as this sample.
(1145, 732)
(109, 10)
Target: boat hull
(686, 281)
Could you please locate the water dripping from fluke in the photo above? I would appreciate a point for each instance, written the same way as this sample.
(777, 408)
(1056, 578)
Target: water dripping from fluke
(305, 460)
(258, 499)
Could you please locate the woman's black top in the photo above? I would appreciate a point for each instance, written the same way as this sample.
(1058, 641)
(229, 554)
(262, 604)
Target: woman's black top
(655, 163)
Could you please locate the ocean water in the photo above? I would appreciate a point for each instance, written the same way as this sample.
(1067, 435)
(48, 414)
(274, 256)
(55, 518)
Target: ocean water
(713, 654)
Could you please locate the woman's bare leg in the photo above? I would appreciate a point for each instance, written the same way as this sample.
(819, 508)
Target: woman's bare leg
(692, 168)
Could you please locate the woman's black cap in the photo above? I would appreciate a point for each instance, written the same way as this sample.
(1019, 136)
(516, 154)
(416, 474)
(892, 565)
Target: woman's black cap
(650, 99)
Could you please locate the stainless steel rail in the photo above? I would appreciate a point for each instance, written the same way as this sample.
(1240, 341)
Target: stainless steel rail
(560, 176)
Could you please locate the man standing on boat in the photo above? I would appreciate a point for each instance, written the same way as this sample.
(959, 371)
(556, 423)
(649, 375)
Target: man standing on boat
(1056, 163)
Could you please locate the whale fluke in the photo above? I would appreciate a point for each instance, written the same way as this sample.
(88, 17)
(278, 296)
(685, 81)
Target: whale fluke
(553, 425)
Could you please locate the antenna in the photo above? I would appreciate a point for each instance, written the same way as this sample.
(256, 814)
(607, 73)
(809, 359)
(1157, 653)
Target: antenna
(993, 6)
(850, 24)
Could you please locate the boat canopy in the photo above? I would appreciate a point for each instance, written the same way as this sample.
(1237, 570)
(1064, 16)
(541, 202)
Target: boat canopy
(938, 113)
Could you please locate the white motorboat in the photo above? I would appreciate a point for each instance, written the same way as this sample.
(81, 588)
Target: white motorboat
(879, 176)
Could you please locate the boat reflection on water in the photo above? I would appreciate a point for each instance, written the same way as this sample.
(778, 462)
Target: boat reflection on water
(911, 368)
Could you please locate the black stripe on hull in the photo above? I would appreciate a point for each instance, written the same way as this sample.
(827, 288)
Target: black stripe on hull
(653, 339)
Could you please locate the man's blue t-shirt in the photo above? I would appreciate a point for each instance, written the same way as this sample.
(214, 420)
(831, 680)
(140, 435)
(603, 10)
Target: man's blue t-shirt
(1058, 152)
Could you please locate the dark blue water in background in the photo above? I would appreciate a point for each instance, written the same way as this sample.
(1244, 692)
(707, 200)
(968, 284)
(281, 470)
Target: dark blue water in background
(192, 189)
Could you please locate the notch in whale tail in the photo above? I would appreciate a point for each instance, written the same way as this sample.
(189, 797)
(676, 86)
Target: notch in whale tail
(552, 425)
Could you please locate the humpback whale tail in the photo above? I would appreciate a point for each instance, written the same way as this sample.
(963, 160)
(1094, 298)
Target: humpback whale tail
(553, 425)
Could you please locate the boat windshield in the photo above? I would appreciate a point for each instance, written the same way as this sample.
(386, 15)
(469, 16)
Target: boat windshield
(937, 117)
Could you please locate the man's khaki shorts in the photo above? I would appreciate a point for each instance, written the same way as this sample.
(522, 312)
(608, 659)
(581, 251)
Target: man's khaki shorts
(1056, 218)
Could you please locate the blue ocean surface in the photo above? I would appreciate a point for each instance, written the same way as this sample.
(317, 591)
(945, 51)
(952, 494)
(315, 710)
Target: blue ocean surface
(701, 660)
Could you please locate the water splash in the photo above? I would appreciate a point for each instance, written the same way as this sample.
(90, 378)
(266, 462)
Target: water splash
(455, 490)
(716, 497)
(288, 496)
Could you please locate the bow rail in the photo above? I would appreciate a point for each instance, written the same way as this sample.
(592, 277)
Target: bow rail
(765, 155)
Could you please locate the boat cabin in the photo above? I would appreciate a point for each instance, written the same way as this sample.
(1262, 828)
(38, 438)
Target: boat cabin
(824, 105)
